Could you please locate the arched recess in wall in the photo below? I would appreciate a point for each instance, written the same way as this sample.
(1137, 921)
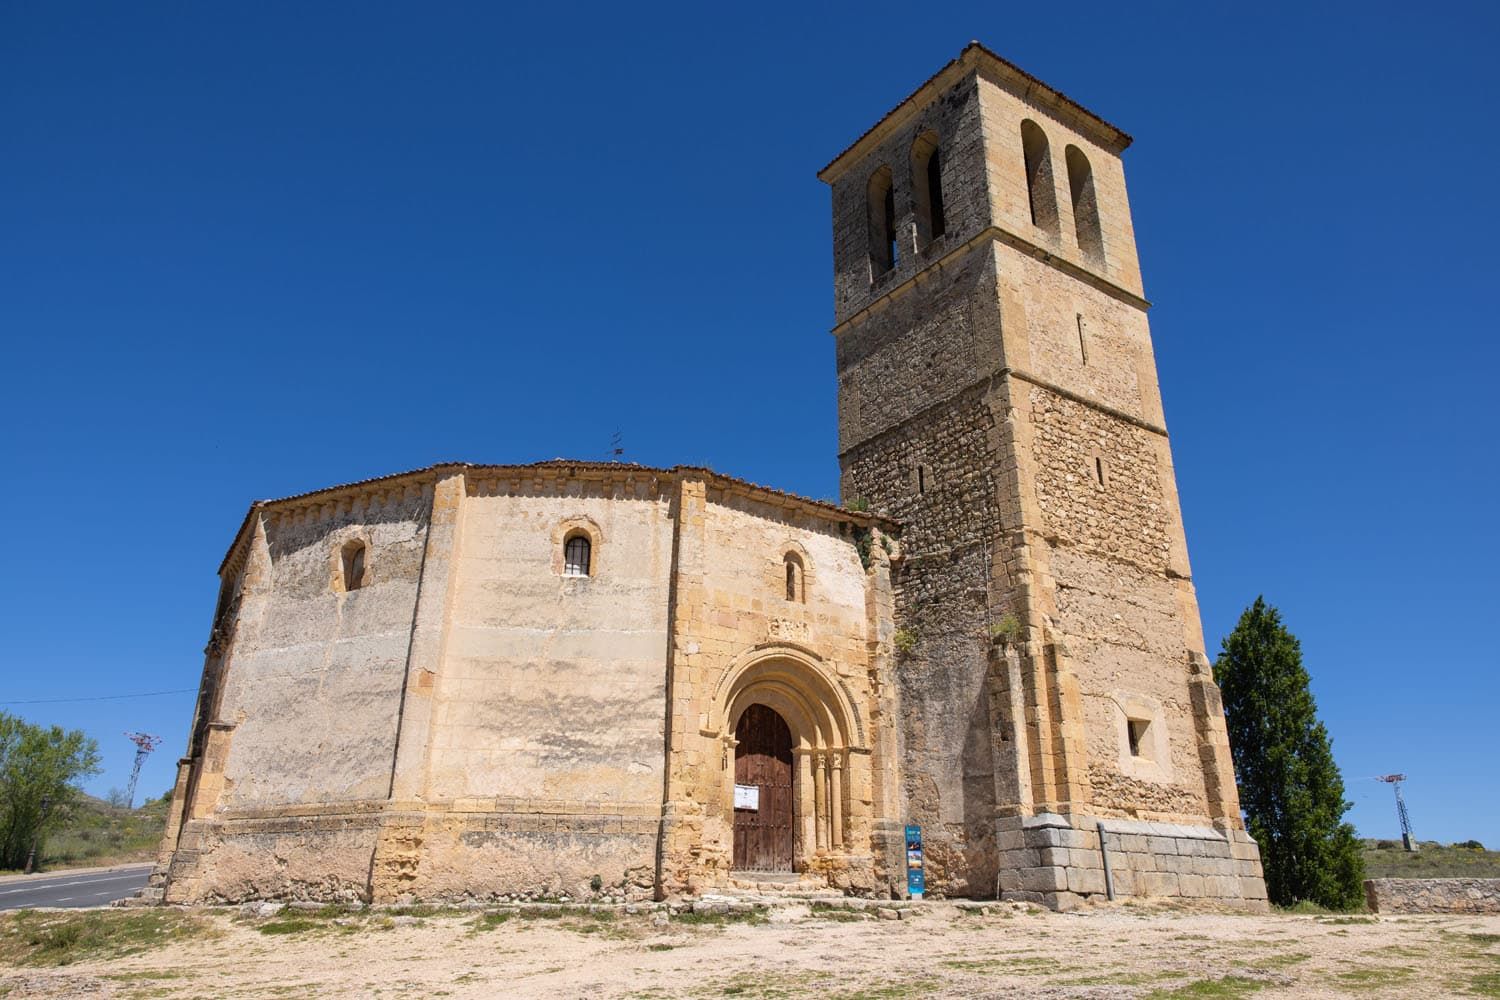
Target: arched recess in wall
(1085, 204)
(353, 568)
(1041, 192)
(825, 728)
(927, 187)
(880, 199)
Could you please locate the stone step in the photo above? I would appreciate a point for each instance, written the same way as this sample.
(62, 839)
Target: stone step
(802, 889)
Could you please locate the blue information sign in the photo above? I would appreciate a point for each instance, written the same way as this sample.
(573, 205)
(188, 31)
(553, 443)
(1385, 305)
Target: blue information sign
(916, 881)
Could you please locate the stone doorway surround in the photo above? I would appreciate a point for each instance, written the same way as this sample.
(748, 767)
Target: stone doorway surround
(831, 776)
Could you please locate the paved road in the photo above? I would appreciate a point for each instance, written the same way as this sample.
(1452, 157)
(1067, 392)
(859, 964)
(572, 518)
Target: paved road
(78, 889)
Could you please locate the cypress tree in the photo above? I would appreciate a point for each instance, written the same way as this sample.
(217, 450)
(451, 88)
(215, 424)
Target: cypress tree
(1290, 787)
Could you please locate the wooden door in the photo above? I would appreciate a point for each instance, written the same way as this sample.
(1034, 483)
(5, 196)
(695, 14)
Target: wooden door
(763, 761)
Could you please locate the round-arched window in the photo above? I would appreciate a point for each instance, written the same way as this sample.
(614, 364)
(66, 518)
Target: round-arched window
(577, 555)
(794, 581)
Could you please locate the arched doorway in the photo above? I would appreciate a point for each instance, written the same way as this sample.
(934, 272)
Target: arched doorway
(763, 820)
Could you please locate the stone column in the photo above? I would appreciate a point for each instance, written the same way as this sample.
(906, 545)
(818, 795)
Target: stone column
(836, 799)
(820, 779)
(807, 807)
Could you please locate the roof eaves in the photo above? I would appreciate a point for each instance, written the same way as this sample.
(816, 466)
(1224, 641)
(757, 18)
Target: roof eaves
(835, 511)
(973, 55)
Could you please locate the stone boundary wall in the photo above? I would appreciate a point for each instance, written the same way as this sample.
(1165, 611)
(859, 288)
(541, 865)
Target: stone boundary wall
(1055, 860)
(1433, 895)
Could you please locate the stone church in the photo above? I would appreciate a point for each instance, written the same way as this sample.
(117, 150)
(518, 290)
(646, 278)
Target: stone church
(602, 680)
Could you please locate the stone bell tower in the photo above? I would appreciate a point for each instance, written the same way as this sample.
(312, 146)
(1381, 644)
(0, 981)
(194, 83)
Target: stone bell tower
(998, 396)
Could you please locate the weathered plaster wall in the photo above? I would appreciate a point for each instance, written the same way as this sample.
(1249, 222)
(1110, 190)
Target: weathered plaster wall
(546, 750)
(553, 687)
(314, 683)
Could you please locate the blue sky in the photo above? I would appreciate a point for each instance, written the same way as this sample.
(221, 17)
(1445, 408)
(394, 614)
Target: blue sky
(249, 251)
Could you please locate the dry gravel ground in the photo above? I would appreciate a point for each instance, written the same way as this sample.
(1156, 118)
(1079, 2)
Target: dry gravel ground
(939, 951)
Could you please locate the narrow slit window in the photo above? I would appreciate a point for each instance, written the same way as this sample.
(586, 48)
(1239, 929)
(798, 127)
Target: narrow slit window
(1083, 344)
(577, 555)
(1099, 469)
(353, 565)
(1136, 730)
(921, 479)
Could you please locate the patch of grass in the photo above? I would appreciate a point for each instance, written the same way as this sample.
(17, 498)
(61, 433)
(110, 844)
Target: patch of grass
(1432, 861)
(660, 946)
(1396, 951)
(1016, 965)
(1335, 921)
(1372, 977)
(776, 986)
(28, 937)
(128, 977)
(298, 925)
(1304, 908)
(417, 910)
(841, 916)
(1117, 979)
(696, 919)
(1485, 985)
(889, 991)
(1280, 961)
(489, 921)
(1223, 988)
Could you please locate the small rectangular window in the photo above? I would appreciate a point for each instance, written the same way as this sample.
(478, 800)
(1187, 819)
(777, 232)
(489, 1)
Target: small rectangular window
(1137, 730)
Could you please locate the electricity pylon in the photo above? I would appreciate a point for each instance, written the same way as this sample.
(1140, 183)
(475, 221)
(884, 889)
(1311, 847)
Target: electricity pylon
(1407, 840)
(144, 744)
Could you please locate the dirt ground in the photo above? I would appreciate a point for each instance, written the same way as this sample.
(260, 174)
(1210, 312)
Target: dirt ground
(937, 951)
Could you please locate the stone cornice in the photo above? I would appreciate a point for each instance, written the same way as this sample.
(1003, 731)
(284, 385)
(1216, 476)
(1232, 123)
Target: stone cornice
(976, 58)
(981, 238)
(989, 378)
(336, 501)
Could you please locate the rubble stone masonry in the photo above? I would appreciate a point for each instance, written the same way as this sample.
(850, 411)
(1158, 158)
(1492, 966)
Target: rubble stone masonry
(1433, 895)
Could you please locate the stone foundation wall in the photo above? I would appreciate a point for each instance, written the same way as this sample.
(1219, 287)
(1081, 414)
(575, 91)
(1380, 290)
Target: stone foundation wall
(1433, 895)
(1056, 860)
(324, 857)
(538, 851)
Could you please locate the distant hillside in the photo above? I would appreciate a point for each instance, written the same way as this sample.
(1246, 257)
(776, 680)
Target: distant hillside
(97, 833)
(1386, 859)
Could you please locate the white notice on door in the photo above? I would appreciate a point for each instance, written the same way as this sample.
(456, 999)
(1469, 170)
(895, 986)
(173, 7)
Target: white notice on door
(747, 797)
